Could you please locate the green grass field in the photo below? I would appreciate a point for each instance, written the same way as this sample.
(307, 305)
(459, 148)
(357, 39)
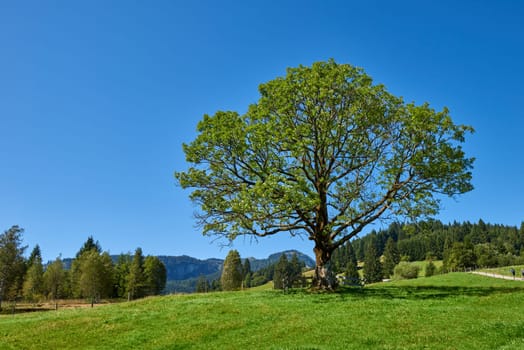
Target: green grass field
(453, 311)
(506, 270)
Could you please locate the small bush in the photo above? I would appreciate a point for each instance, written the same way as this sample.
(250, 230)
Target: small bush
(405, 270)
(431, 269)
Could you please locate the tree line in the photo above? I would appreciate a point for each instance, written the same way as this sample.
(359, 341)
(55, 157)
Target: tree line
(390, 252)
(92, 275)
(237, 275)
(459, 245)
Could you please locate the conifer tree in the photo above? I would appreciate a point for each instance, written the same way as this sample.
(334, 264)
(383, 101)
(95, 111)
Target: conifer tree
(54, 279)
(372, 266)
(282, 275)
(246, 271)
(431, 269)
(351, 271)
(231, 278)
(96, 275)
(36, 254)
(122, 266)
(202, 285)
(12, 263)
(89, 244)
(136, 280)
(296, 266)
(34, 278)
(391, 257)
(155, 274)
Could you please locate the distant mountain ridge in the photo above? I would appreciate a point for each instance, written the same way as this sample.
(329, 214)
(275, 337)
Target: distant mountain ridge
(257, 264)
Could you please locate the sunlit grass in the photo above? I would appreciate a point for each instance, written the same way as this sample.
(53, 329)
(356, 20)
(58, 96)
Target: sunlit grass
(454, 311)
(506, 270)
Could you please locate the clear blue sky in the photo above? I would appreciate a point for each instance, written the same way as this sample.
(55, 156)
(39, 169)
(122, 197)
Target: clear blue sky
(96, 98)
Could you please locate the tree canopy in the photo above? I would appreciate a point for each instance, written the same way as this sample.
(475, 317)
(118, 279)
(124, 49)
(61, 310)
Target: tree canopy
(12, 264)
(324, 152)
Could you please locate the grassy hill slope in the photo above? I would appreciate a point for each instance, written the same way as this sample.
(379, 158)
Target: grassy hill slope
(454, 311)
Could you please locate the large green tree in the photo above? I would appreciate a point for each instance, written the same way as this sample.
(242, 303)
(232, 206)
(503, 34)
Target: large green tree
(121, 270)
(324, 152)
(33, 286)
(55, 279)
(96, 275)
(155, 275)
(12, 263)
(136, 282)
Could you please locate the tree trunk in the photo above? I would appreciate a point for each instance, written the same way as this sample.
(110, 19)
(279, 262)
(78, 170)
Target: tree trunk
(324, 278)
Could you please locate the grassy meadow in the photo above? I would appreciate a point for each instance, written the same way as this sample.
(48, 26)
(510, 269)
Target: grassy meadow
(453, 311)
(506, 270)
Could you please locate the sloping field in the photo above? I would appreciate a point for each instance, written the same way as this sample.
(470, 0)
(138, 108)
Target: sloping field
(454, 311)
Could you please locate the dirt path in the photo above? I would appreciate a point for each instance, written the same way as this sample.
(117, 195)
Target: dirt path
(495, 275)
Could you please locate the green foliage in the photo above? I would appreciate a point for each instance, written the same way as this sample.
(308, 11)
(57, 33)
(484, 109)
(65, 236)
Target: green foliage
(263, 275)
(391, 257)
(406, 270)
(202, 285)
(372, 266)
(232, 275)
(36, 255)
(89, 244)
(136, 282)
(33, 287)
(431, 269)
(55, 280)
(96, 275)
(288, 273)
(247, 273)
(323, 152)
(351, 271)
(281, 278)
(121, 273)
(488, 245)
(460, 257)
(155, 275)
(12, 263)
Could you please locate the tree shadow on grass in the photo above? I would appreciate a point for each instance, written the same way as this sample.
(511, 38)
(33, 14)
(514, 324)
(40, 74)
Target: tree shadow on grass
(423, 292)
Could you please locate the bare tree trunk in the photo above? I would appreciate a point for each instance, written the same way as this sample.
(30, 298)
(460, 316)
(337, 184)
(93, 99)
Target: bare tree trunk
(324, 278)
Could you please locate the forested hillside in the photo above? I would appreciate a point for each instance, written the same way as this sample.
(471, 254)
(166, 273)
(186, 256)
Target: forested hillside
(460, 245)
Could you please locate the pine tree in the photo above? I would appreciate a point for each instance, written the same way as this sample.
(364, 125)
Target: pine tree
(296, 266)
(89, 245)
(36, 254)
(155, 274)
(431, 269)
(33, 287)
(54, 279)
(12, 263)
(246, 272)
(96, 275)
(231, 278)
(136, 280)
(351, 270)
(372, 266)
(202, 285)
(391, 257)
(122, 266)
(282, 275)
